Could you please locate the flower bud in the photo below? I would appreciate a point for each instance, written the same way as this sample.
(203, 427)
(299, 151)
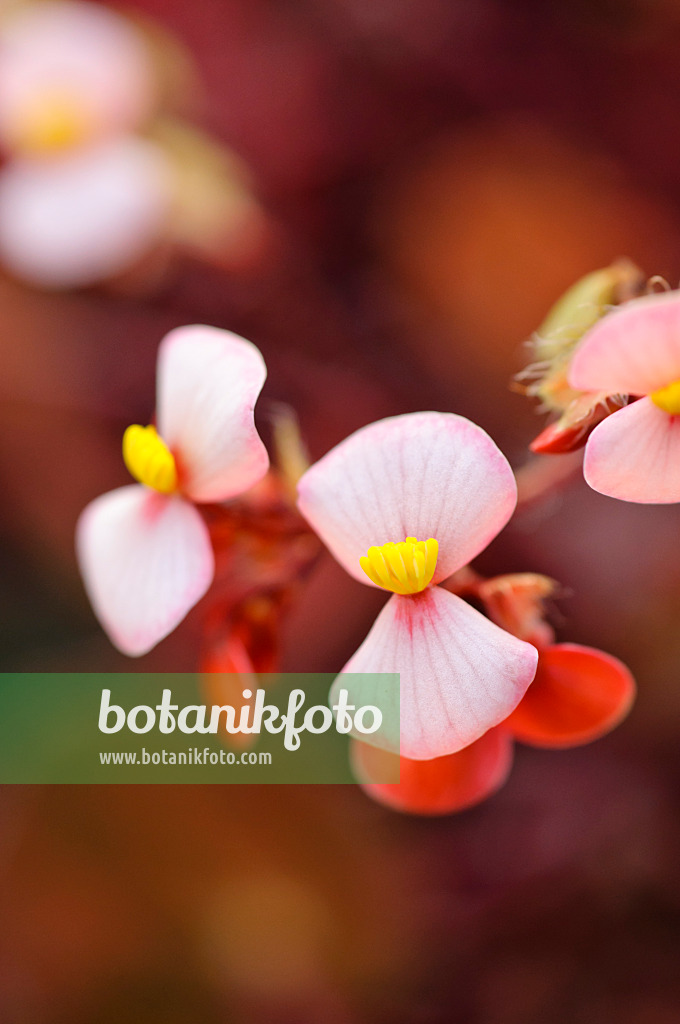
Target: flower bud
(515, 602)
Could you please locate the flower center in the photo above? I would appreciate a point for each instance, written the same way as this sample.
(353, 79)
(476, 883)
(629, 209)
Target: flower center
(404, 568)
(149, 459)
(668, 398)
(53, 123)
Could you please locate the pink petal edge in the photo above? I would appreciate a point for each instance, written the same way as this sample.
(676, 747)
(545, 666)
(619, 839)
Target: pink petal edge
(208, 382)
(145, 559)
(634, 350)
(634, 455)
(426, 474)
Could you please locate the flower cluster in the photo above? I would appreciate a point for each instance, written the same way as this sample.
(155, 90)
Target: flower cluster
(404, 505)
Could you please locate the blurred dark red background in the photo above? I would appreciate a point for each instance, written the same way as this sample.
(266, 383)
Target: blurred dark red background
(435, 173)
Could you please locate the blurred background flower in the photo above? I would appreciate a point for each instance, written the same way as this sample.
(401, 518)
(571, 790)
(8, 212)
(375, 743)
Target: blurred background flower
(425, 180)
(101, 179)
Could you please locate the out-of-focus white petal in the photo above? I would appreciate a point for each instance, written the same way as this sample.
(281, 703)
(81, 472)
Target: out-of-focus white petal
(208, 383)
(459, 674)
(82, 55)
(426, 474)
(146, 559)
(633, 350)
(80, 219)
(634, 455)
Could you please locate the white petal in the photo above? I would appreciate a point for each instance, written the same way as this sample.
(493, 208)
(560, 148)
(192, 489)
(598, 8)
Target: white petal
(459, 674)
(426, 474)
(80, 219)
(208, 383)
(146, 559)
(634, 455)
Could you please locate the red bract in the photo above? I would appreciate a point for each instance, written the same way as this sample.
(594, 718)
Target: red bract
(241, 641)
(244, 638)
(226, 673)
(572, 430)
(578, 695)
(515, 602)
(557, 439)
(439, 786)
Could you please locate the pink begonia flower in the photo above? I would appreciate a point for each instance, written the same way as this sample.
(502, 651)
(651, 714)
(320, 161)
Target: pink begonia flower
(144, 550)
(70, 73)
(86, 216)
(634, 454)
(402, 504)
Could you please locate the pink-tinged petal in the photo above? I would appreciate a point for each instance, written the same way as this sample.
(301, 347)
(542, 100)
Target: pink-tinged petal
(89, 60)
(578, 695)
(634, 350)
(86, 217)
(634, 455)
(440, 786)
(460, 674)
(145, 559)
(208, 383)
(426, 474)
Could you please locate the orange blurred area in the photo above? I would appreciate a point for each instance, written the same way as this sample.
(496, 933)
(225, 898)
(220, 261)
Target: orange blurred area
(490, 224)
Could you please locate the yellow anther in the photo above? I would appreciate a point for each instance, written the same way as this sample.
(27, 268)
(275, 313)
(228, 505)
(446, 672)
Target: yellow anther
(668, 398)
(404, 568)
(53, 123)
(149, 459)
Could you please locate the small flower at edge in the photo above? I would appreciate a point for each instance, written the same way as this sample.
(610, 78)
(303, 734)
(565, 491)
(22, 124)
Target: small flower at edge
(553, 346)
(634, 454)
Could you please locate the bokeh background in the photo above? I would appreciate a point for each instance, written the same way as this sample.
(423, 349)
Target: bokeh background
(434, 174)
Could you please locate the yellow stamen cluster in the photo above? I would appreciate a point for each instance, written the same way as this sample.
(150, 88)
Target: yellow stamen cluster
(404, 568)
(668, 398)
(149, 459)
